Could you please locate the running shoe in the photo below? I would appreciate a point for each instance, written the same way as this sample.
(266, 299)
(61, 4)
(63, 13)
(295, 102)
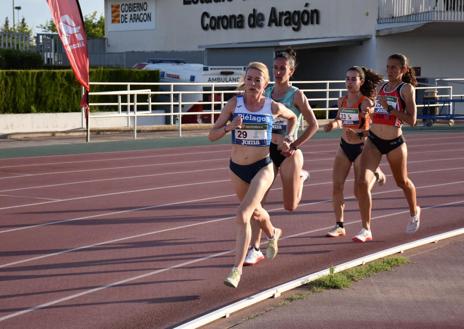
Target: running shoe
(233, 278)
(304, 175)
(363, 236)
(253, 257)
(337, 231)
(272, 245)
(414, 222)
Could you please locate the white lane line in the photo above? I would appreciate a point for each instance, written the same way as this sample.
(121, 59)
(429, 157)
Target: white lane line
(171, 173)
(110, 285)
(452, 203)
(123, 238)
(112, 179)
(411, 148)
(201, 147)
(118, 193)
(165, 187)
(192, 225)
(112, 168)
(131, 167)
(134, 166)
(155, 156)
(27, 197)
(276, 291)
(114, 213)
(194, 261)
(73, 155)
(417, 138)
(188, 201)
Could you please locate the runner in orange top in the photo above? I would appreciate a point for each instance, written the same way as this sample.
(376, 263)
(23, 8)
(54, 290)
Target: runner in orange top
(395, 104)
(353, 117)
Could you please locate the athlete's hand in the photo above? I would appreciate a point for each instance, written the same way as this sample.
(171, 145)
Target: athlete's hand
(351, 133)
(236, 123)
(328, 127)
(383, 102)
(286, 150)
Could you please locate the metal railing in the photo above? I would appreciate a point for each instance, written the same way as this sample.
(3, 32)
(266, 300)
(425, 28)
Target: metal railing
(132, 113)
(174, 97)
(172, 103)
(15, 40)
(404, 11)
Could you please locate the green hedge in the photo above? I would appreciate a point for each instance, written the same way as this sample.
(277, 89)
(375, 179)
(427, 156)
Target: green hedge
(19, 59)
(30, 91)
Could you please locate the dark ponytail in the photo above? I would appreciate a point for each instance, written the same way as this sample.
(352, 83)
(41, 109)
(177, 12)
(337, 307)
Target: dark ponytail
(371, 80)
(410, 75)
(289, 54)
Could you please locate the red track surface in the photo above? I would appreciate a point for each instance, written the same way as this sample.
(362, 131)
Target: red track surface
(144, 239)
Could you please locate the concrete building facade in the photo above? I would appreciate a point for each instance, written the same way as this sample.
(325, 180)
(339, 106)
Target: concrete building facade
(328, 35)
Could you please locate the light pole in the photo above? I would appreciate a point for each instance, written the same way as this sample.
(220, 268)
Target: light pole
(13, 15)
(18, 8)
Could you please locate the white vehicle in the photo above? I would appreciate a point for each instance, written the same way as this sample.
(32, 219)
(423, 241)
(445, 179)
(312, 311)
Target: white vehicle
(172, 70)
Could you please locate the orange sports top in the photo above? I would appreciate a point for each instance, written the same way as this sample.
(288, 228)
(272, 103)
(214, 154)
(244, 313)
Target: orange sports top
(353, 117)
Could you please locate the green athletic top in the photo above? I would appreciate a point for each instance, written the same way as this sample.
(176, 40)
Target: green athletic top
(280, 125)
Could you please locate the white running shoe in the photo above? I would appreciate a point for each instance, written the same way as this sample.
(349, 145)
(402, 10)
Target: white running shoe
(233, 278)
(414, 222)
(363, 236)
(272, 245)
(304, 175)
(336, 231)
(253, 257)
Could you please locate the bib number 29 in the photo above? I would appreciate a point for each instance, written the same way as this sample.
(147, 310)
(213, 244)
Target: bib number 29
(242, 134)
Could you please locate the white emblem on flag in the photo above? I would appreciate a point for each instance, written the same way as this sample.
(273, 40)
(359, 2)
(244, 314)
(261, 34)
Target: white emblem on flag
(69, 29)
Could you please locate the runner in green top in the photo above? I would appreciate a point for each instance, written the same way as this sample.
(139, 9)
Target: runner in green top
(288, 164)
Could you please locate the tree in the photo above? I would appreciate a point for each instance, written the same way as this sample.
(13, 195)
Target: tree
(94, 27)
(20, 36)
(23, 27)
(49, 26)
(6, 26)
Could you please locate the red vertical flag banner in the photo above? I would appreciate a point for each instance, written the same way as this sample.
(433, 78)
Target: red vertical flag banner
(69, 23)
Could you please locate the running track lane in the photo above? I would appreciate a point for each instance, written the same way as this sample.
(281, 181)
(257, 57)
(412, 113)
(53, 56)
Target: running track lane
(144, 239)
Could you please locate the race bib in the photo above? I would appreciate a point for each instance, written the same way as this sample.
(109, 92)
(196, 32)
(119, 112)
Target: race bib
(391, 100)
(251, 134)
(279, 127)
(349, 117)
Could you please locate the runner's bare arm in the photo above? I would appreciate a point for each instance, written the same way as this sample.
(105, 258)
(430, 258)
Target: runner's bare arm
(221, 127)
(335, 123)
(408, 93)
(302, 103)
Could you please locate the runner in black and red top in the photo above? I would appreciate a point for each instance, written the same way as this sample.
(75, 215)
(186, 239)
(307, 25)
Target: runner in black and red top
(395, 105)
(353, 117)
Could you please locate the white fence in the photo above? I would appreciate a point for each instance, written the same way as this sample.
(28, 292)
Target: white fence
(177, 104)
(402, 11)
(15, 40)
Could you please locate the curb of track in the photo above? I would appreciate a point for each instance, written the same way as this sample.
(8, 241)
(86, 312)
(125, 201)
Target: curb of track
(275, 292)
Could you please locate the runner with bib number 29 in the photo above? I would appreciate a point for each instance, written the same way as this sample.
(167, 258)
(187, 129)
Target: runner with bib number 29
(251, 116)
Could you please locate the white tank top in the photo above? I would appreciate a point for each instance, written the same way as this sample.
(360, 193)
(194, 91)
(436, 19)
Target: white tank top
(256, 127)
